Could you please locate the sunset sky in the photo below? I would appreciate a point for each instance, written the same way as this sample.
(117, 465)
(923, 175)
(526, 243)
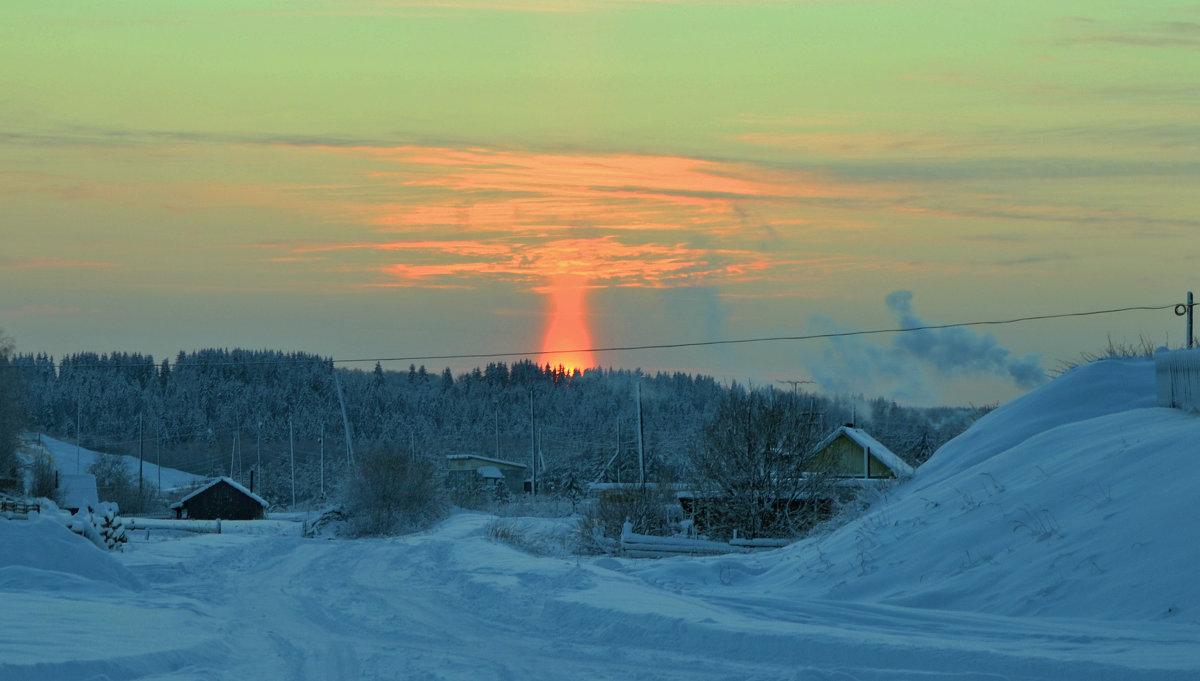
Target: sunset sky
(408, 178)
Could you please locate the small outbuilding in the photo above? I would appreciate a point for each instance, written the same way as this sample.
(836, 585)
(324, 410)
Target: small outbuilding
(221, 498)
(466, 470)
(850, 452)
(78, 491)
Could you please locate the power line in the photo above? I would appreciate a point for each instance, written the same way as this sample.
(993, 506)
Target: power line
(765, 339)
(656, 346)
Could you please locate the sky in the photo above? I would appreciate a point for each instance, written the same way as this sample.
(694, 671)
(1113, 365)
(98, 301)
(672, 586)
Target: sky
(451, 177)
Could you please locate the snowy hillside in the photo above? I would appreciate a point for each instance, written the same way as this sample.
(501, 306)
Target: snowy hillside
(1054, 540)
(72, 460)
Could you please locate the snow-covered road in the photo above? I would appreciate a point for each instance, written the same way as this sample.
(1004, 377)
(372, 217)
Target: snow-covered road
(453, 604)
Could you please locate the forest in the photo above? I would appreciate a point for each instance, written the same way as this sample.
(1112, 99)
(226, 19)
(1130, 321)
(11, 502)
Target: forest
(238, 412)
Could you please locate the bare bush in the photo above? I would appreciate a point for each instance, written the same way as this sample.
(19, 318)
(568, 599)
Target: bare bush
(115, 483)
(651, 510)
(1144, 348)
(751, 472)
(392, 492)
(43, 479)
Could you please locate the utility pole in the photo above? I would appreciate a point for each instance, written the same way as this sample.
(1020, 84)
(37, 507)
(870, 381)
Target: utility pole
(1185, 310)
(141, 463)
(322, 459)
(292, 447)
(532, 447)
(345, 421)
(541, 456)
(78, 413)
(637, 387)
(232, 453)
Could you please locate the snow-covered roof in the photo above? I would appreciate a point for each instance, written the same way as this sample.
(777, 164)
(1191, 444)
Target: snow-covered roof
(78, 491)
(488, 459)
(863, 439)
(232, 483)
(490, 472)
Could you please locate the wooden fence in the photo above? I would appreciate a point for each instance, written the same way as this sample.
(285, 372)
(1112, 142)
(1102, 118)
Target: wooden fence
(200, 526)
(18, 507)
(1177, 373)
(646, 546)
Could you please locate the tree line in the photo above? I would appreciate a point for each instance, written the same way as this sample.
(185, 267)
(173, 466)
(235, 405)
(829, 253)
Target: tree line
(278, 416)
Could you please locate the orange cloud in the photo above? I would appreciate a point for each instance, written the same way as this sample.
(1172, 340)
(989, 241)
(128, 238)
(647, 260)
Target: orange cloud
(601, 260)
(454, 215)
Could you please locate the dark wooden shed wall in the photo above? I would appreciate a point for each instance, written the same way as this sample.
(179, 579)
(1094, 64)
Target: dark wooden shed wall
(223, 501)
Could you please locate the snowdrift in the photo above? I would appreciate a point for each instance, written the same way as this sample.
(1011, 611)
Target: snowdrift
(44, 554)
(1076, 500)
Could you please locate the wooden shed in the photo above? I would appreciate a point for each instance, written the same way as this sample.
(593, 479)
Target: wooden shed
(851, 452)
(77, 492)
(471, 469)
(221, 498)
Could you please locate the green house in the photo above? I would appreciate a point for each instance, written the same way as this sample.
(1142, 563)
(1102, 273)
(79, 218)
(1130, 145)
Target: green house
(851, 452)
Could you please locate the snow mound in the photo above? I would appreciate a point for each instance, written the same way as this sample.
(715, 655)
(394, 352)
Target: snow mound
(1085, 392)
(42, 553)
(1064, 503)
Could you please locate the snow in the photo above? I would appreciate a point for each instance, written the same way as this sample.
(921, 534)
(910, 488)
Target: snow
(71, 460)
(1052, 540)
(78, 491)
(228, 481)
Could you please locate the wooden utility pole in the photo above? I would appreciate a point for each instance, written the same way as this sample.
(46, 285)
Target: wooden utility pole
(345, 420)
(141, 462)
(532, 447)
(292, 447)
(637, 387)
(1191, 307)
(232, 453)
(78, 414)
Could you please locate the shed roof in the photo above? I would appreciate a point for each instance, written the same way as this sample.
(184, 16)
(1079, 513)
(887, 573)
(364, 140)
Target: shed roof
(863, 439)
(490, 472)
(232, 483)
(78, 491)
(485, 459)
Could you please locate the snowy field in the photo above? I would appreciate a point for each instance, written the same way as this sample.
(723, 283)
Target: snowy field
(1056, 539)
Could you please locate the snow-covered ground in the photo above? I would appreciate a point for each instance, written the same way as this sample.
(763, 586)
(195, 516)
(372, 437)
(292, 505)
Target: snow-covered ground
(73, 460)
(1056, 539)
